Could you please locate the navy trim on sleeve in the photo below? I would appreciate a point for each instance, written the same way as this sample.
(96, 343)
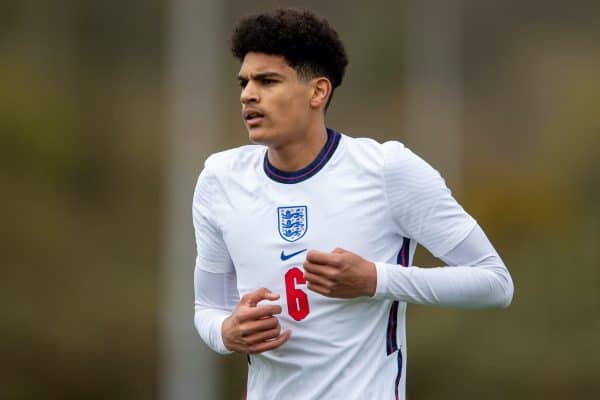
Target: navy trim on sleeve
(391, 335)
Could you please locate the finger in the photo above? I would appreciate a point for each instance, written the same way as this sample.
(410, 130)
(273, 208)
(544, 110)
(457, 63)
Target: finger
(263, 336)
(256, 313)
(271, 344)
(250, 328)
(319, 257)
(319, 269)
(339, 250)
(317, 279)
(323, 290)
(251, 299)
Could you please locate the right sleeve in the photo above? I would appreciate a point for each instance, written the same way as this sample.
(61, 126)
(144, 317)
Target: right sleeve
(215, 297)
(215, 288)
(212, 254)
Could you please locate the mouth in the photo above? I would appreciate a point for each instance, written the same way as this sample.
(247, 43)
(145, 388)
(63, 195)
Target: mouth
(252, 117)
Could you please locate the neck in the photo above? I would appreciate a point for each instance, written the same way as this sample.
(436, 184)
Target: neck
(299, 153)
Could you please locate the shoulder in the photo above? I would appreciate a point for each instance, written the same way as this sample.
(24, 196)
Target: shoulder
(362, 147)
(369, 148)
(223, 169)
(233, 160)
(400, 163)
(391, 154)
(365, 154)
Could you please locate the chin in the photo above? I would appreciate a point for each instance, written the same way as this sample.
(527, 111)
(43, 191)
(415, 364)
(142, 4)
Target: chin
(258, 135)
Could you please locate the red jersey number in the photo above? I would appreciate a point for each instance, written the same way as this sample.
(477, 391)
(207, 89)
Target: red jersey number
(297, 300)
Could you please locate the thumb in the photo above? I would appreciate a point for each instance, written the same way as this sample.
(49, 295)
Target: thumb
(339, 250)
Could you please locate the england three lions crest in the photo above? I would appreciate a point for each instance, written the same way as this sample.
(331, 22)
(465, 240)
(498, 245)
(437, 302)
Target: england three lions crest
(292, 221)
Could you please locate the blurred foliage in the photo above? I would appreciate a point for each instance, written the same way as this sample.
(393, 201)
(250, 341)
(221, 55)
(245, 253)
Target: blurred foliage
(81, 156)
(81, 178)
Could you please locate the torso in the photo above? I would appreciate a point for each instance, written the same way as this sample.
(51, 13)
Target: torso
(338, 346)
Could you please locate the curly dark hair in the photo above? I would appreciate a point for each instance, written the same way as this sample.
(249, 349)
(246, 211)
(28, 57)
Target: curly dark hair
(307, 42)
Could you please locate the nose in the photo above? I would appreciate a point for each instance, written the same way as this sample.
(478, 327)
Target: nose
(249, 94)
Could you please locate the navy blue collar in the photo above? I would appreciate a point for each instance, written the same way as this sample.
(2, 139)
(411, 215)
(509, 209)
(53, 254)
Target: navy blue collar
(333, 139)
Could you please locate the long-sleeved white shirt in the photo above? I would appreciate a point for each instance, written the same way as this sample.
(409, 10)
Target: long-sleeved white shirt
(253, 224)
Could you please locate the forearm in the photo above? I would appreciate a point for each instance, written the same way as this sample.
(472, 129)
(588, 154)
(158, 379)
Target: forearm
(215, 296)
(477, 278)
(208, 323)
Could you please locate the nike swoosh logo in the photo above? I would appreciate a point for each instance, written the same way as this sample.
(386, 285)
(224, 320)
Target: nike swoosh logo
(284, 256)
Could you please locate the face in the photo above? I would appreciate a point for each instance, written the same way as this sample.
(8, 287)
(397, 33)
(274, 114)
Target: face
(276, 103)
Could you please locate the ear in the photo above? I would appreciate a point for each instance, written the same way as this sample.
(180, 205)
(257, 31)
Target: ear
(321, 92)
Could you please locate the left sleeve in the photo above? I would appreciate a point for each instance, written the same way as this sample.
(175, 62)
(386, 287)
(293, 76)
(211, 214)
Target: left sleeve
(477, 278)
(424, 209)
(421, 204)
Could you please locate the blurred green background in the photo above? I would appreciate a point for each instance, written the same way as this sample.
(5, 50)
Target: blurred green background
(83, 131)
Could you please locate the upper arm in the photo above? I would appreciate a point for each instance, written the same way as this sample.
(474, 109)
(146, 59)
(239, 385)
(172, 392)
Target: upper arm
(474, 250)
(215, 290)
(421, 203)
(212, 254)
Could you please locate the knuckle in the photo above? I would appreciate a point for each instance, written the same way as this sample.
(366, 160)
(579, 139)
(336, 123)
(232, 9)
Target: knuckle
(241, 315)
(245, 297)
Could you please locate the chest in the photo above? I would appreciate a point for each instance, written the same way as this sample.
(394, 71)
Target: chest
(269, 231)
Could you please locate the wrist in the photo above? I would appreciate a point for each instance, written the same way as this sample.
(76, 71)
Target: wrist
(371, 280)
(225, 344)
(381, 280)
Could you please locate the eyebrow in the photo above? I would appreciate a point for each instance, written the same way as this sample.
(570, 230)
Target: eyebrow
(261, 76)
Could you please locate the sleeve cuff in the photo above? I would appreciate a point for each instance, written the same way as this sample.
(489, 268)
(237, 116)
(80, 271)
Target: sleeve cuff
(381, 291)
(221, 349)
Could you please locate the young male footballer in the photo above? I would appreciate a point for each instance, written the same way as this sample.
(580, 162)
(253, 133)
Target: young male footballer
(305, 238)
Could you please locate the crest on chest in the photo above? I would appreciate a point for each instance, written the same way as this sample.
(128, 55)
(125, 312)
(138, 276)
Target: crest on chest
(292, 222)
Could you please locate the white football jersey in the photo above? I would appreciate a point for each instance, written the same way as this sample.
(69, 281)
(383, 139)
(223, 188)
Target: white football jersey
(376, 200)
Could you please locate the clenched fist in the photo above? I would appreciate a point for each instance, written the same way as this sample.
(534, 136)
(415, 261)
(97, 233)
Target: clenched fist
(340, 273)
(253, 328)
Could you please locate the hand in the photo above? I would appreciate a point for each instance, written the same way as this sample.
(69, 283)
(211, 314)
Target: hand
(252, 328)
(340, 274)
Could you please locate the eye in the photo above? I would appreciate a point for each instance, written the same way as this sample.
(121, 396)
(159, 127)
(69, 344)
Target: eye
(243, 83)
(267, 81)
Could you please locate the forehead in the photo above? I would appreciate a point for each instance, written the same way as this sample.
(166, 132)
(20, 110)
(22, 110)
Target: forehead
(260, 63)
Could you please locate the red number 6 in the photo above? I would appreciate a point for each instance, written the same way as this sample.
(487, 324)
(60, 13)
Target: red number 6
(297, 300)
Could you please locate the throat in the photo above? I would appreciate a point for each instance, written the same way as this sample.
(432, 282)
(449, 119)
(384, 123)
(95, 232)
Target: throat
(290, 159)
